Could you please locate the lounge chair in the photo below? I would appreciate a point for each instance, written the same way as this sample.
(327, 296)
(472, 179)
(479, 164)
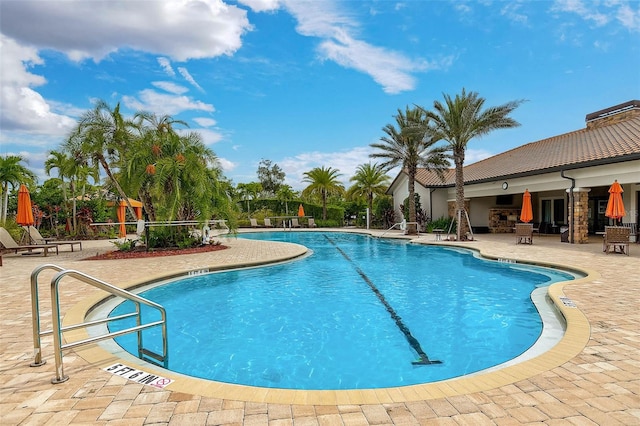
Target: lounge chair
(9, 244)
(312, 223)
(37, 238)
(295, 223)
(616, 237)
(524, 233)
(267, 222)
(254, 222)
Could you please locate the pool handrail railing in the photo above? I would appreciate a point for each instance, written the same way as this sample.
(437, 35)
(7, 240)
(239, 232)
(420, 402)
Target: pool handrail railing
(58, 329)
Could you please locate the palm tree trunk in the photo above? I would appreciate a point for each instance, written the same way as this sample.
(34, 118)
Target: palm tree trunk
(143, 193)
(324, 205)
(412, 229)
(370, 210)
(107, 170)
(5, 200)
(461, 225)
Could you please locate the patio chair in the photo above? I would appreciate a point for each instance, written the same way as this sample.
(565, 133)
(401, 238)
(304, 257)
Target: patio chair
(295, 223)
(524, 233)
(9, 244)
(254, 223)
(616, 238)
(37, 238)
(267, 222)
(312, 223)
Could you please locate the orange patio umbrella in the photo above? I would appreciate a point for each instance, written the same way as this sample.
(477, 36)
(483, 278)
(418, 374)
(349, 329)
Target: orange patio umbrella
(301, 211)
(25, 213)
(615, 206)
(526, 215)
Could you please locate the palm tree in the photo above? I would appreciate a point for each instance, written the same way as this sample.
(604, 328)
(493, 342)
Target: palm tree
(102, 136)
(12, 173)
(459, 120)
(145, 153)
(285, 194)
(323, 182)
(406, 146)
(181, 182)
(370, 180)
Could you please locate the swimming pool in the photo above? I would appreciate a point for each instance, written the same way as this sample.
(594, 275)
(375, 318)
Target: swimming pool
(358, 313)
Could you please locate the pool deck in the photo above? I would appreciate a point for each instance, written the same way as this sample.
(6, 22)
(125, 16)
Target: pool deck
(591, 378)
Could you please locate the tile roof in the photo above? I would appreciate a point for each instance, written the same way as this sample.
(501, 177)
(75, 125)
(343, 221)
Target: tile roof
(608, 144)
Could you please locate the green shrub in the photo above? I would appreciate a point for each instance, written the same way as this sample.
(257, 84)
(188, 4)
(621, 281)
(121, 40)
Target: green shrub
(172, 236)
(441, 223)
(126, 245)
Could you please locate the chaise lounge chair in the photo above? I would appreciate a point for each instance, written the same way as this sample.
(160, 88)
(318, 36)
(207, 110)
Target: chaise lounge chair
(254, 222)
(616, 237)
(295, 223)
(9, 244)
(524, 233)
(267, 222)
(312, 223)
(37, 238)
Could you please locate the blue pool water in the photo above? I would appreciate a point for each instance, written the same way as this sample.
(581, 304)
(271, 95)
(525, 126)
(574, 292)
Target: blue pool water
(358, 313)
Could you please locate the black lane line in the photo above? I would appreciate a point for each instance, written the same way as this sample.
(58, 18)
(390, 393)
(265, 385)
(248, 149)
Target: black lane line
(424, 359)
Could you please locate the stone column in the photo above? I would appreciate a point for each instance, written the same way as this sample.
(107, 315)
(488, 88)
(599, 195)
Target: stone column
(579, 213)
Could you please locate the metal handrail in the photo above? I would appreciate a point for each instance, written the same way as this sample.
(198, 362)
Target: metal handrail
(58, 329)
(399, 224)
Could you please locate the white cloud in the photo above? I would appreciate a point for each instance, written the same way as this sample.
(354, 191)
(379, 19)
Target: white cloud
(586, 10)
(512, 11)
(185, 74)
(179, 29)
(389, 69)
(162, 103)
(346, 162)
(628, 17)
(165, 63)
(170, 87)
(205, 121)
(475, 155)
(209, 137)
(338, 32)
(227, 166)
(21, 107)
(262, 5)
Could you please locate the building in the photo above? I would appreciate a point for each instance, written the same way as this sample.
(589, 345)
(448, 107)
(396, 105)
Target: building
(574, 169)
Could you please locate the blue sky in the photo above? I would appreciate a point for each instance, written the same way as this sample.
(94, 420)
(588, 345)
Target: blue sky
(308, 83)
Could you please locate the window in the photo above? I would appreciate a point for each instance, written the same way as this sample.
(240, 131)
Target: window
(553, 210)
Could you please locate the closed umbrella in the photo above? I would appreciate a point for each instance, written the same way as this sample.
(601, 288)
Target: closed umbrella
(25, 213)
(121, 212)
(526, 215)
(301, 211)
(615, 206)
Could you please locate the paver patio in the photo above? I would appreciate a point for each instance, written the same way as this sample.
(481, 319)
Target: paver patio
(601, 385)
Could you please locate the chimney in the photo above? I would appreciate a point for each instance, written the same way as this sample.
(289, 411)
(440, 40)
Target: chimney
(614, 114)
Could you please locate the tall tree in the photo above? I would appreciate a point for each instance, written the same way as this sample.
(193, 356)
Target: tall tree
(407, 146)
(285, 194)
(153, 143)
(12, 173)
(249, 191)
(62, 163)
(270, 176)
(102, 136)
(370, 180)
(323, 182)
(457, 122)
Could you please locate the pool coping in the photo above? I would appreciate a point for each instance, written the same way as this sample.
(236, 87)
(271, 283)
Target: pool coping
(575, 339)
